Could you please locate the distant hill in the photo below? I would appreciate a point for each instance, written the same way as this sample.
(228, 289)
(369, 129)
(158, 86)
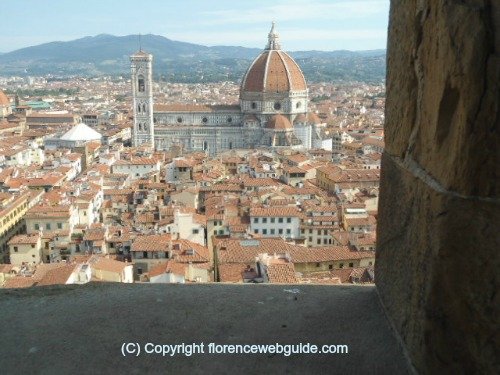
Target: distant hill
(179, 61)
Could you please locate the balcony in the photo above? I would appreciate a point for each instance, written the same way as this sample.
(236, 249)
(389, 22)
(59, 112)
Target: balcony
(73, 329)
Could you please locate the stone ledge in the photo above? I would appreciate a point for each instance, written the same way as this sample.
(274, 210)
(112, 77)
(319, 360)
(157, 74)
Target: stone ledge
(80, 329)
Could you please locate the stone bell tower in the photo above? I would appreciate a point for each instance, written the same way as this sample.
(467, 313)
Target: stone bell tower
(142, 91)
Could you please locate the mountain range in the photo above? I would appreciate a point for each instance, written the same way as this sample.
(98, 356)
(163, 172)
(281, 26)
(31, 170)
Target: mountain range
(176, 61)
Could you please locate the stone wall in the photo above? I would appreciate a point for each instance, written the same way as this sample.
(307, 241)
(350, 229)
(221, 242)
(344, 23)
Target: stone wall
(439, 214)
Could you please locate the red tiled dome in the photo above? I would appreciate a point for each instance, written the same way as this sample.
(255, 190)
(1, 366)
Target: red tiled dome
(4, 100)
(273, 71)
(279, 122)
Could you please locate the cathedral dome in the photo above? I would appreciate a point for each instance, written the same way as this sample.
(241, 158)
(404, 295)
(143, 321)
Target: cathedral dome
(279, 122)
(4, 100)
(273, 71)
(313, 118)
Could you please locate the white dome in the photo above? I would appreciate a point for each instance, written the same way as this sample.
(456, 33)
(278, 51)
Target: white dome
(81, 132)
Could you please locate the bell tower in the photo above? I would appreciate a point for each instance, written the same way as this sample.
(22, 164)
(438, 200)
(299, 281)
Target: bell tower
(142, 92)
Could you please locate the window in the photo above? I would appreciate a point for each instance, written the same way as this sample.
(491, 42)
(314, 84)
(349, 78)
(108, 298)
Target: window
(264, 231)
(255, 220)
(47, 226)
(254, 105)
(318, 264)
(32, 246)
(272, 220)
(229, 119)
(330, 266)
(37, 226)
(139, 271)
(370, 263)
(204, 120)
(138, 108)
(221, 231)
(351, 265)
(277, 106)
(310, 239)
(144, 108)
(59, 225)
(141, 85)
(264, 220)
(179, 119)
(280, 220)
(288, 231)
(256, 231)
(15, 249)
(341, 265)
(298, 105)
(195, 231)
(310, 231)
(280, 231)
(318, 241)
(272, 231)
(288, 219)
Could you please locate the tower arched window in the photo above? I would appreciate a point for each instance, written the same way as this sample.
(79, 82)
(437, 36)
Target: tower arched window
(141, 84)
(138, 108)
(140, 126)
(144, 108)
(145, 127)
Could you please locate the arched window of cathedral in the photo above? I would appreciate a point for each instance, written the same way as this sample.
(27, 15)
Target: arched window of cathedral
(277, 106)
(229, 119)
(145, 127)
(298, 104)
(144, 108)
(254, 105)
(138, 108)
(205, 120)
(140, 126)
(179, 119)
(154, 120)
(140, 84)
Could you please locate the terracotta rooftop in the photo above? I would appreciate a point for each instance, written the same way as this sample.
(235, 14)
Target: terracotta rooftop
(279, 122)
(273, 71)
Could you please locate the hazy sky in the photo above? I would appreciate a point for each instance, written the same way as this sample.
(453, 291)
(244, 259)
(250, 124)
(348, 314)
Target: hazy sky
(302, 24)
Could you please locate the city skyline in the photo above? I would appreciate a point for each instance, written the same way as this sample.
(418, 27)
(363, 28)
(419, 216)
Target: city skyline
(304, 25)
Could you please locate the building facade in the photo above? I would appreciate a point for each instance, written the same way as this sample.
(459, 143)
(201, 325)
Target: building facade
(272, 110)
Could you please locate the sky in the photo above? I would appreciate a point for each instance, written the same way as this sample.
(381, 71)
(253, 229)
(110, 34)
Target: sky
(302, 24)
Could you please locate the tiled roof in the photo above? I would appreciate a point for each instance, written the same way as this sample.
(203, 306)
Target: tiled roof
(168, 267)
(273, 71)
(275, 211)
(242, 251)
(282, 273)
(58, 276)
(4, 100)
(109, 265)
(279, 122)
(24, 239)
(234, 272)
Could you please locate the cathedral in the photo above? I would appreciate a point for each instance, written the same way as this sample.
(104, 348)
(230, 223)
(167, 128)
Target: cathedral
(272, 110)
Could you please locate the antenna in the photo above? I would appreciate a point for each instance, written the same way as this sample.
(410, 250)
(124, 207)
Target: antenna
(140, 42)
